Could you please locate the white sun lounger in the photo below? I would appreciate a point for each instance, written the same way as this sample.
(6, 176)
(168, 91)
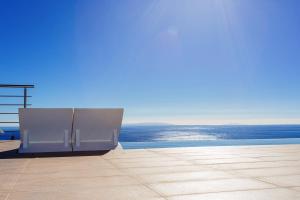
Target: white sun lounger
(96, 129)
(45, 129)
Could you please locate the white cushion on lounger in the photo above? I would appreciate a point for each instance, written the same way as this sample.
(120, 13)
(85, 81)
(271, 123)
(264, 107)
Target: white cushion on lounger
(96, 129)
(45, 129)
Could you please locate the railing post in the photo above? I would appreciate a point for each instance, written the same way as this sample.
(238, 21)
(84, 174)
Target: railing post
(25, 97)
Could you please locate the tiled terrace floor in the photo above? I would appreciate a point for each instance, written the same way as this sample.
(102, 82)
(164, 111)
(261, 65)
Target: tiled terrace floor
(201, 173)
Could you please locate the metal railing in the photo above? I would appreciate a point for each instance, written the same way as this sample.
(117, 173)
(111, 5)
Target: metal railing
(24, 98)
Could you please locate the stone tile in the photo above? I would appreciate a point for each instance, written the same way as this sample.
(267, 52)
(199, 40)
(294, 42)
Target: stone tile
(36, 185)
(7, 181)
(3, 195)
(76, 163)
(88, 173)
(71, 184)
(6, 145)
(204, 157)
(281, 158)
(32, 196)
(166, 169)
(296, 188)
(152, 164)
(35, 177)
(255, 165)
(178, 150)
(142, 160)
(192, 187)
(148, 174)
(265, 194)
(9, 165)
(110, 193)
(130, 154)
(225, 156)
(268, 172)
(185, 176)
(65, 169)
(226, 160)
(285, 181)
(44, 169)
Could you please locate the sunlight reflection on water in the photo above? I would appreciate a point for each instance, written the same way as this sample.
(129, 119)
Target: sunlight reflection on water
(180, 135)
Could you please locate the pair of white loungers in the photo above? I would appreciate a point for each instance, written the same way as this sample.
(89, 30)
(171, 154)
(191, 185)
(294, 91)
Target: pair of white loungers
(68, 129)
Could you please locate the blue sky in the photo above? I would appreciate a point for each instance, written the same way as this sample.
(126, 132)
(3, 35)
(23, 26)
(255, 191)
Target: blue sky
(183, 62)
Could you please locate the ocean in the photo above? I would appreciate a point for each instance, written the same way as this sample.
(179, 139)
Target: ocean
(137, 136)
(201, 132)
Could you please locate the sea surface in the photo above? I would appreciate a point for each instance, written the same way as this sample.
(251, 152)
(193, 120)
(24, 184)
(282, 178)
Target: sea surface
(136, 137)
(151, 136)
(200, 132)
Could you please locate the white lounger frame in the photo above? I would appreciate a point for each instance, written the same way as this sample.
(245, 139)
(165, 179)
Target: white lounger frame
(67, 129)
(96, 129)
(45, 129)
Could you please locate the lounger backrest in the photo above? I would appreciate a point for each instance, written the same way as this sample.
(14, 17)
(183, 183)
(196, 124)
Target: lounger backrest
(46, 125)
(96, 125)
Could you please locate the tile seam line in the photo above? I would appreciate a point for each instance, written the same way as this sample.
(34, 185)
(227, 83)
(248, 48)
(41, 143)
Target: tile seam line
(211, 166)
(252, 168)
(265, 146)
(224, 163)
(189, 180)
(138, 180)
(175, 156)
(132, 157)
(255, 177)
(200, 181)
(267, 182)
(252, 162)
(258, 178)
(170, 196)
(157, 173)
(258, 159)
(294, 189)
(279, 175)
(66, 178)
(18, 177)
(188, 164)
(242, 174)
